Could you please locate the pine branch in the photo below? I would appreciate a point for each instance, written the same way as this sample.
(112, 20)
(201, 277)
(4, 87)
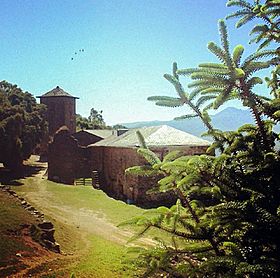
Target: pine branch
(239, 13)
(214, 66)
(150, 156)
(244, 20)
(184, 117)
(204, 99)
(217, 51)
(259, 55)
(178, 86)
(225, 43)
(141, 140)
(176, 103)
(240, 3)
(237, 54)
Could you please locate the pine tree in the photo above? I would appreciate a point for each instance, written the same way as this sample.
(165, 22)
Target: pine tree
(268, 13)
(226, 222)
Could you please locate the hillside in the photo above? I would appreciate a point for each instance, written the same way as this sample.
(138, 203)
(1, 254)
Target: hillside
(228, 119)
(19, 253)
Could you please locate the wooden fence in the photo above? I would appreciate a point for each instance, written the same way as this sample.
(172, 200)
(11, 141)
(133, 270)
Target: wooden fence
(83, 181)
(93, 181)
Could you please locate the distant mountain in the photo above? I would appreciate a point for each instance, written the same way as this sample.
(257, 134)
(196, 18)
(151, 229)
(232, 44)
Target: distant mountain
(229, 119)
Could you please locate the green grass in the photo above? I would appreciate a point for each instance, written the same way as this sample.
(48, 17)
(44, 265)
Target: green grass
(81, 197)
(94, 255)
(105, 259)
(91, 254)
(97, 255)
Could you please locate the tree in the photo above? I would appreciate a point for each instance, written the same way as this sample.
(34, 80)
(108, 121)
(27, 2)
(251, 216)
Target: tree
(22, 125)
(267, 13)
(119, 126)
(94, 121)
(82, 122)
(226, 222)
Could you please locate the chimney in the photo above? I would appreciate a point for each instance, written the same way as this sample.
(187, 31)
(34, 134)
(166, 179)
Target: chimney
(119, 132)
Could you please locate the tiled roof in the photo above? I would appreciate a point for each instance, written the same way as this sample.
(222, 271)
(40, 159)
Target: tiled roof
(102, 133)
(154, 136)
(56, 92)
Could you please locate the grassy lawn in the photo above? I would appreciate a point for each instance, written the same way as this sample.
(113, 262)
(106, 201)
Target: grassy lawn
(86, 227)
(105, 259)
(78, 197)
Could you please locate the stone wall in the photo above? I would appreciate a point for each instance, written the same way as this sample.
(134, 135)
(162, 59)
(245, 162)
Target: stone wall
(61, 111)
(111, 163)
(66, 159)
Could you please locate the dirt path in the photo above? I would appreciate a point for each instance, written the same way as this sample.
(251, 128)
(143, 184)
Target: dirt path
(86, 220)
(83, 223)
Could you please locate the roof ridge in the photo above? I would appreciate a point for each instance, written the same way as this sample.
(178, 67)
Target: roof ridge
(163, 135)
(57, 92)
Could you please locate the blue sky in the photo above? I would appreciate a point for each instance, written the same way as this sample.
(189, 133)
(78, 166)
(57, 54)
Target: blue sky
(128, 46)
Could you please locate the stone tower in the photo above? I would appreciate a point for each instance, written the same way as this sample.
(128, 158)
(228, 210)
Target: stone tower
(61, 110)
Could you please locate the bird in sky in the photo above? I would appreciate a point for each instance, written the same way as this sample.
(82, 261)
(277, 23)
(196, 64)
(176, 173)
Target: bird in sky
(76, 53)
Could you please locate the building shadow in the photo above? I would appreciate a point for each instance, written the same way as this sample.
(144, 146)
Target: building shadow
(12, 178)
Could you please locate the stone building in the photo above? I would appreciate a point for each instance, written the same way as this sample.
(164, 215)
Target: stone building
(61, 110)
(88, 137)
(110, 157)
(68, 157)
(67, 160)
(106, 154)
